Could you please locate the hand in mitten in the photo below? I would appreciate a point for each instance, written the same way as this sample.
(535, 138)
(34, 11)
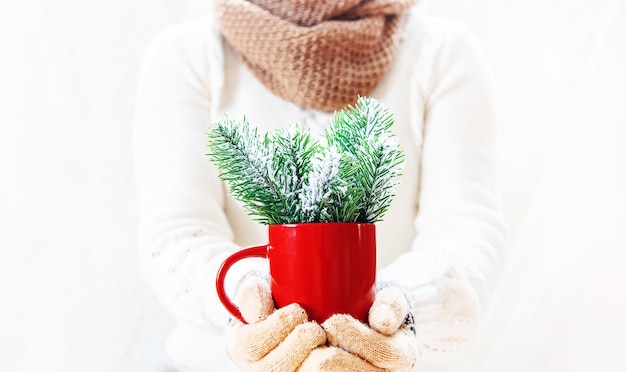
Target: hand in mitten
(387, 344)
(272, 340)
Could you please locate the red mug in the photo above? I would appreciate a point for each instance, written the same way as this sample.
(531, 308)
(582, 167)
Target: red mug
(327, 268)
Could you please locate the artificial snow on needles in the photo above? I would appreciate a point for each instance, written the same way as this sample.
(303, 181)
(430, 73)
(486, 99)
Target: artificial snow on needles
(285, 177)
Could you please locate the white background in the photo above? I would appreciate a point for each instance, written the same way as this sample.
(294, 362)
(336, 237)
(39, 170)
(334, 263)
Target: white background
(71, 294)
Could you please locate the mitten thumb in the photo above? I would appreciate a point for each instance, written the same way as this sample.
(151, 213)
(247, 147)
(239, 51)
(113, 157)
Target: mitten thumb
(254, 299)
(388, 311)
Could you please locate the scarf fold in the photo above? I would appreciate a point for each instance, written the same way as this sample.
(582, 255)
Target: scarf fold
(318, 54)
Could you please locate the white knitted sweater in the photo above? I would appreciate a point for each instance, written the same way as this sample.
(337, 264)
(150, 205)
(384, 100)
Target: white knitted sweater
(442, 238)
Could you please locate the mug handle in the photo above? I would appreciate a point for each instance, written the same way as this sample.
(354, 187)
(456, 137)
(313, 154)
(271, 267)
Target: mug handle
(258, 251)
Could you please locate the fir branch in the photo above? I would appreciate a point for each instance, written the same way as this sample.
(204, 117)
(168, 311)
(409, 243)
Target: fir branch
(353, 126)
(292, 151)
(322, 186)
(236, 150)
(381, 163)
(374, 159)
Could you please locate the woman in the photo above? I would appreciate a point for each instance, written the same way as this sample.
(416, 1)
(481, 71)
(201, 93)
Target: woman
(284, 62)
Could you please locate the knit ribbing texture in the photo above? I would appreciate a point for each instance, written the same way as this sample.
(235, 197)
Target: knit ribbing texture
(318, 54)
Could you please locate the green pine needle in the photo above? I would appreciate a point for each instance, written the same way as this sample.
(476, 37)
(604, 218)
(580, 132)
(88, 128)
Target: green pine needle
(288, 178)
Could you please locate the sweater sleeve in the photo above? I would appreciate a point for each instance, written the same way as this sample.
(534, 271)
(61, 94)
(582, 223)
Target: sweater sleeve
(184, 234)
(459, 247)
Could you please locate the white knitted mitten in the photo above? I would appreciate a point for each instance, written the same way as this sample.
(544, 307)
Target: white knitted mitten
(389, 342)
(272, 341)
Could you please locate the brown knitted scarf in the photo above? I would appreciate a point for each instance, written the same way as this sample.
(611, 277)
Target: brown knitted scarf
(319, 54)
